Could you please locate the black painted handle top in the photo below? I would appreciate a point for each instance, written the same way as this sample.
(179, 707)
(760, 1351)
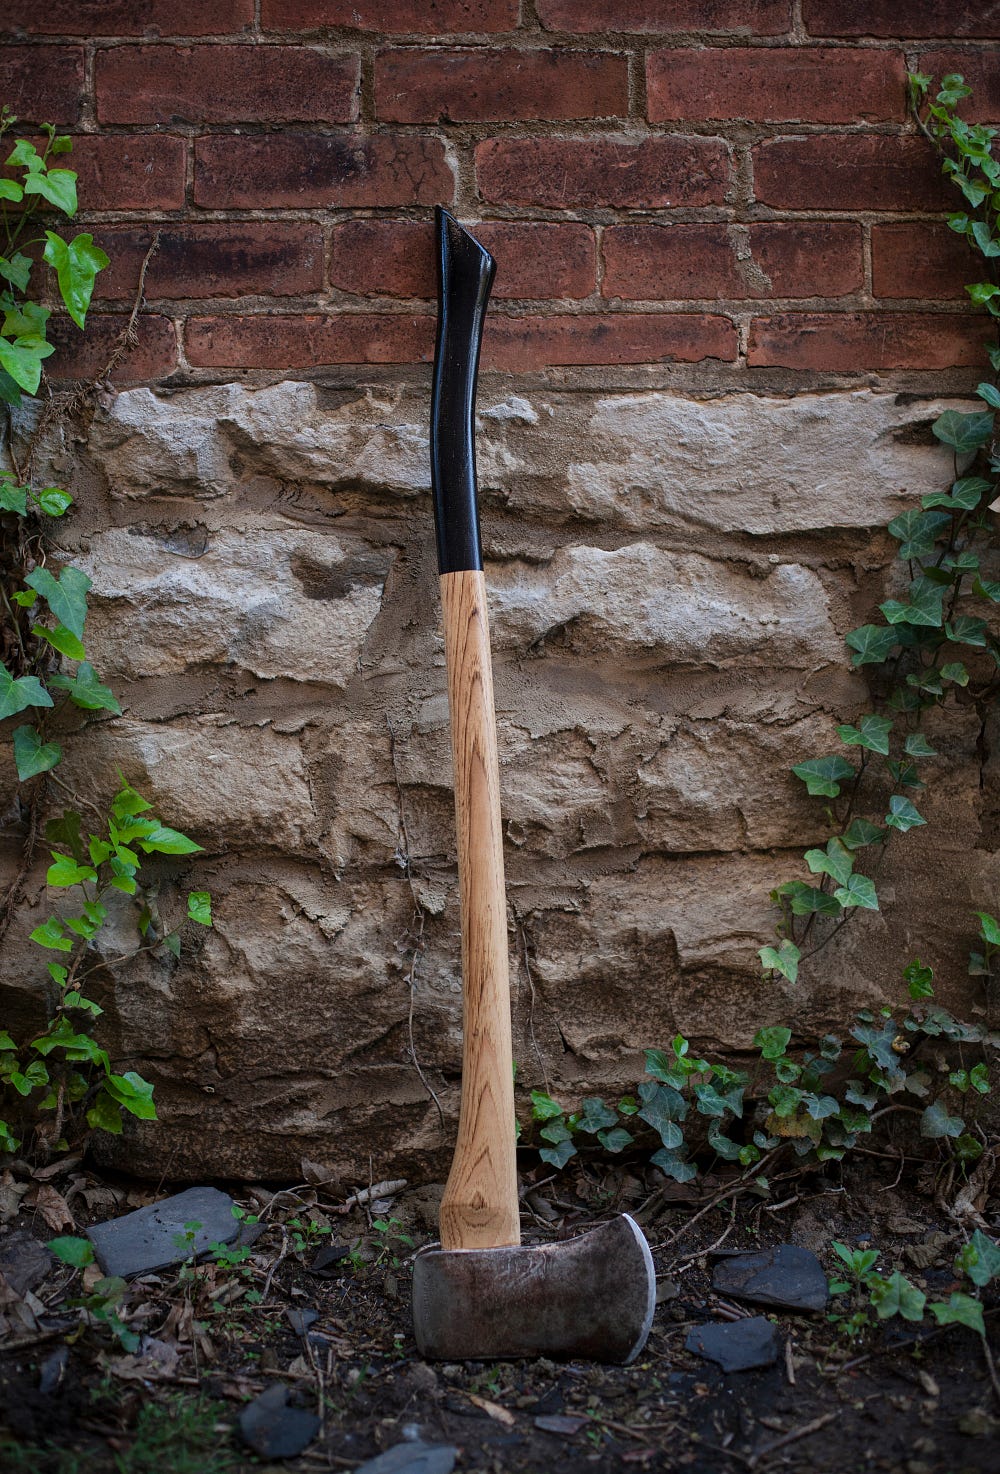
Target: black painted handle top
(465, 276)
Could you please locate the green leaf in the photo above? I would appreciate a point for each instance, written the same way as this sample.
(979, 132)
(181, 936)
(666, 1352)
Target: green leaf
(66, 871)
(77, 1252)
(166, 841)
(11, 190)
(558, 1155)
(61, 639)
(858, 891)
(66, 595)
(804, 899)
(76, 265)
(22, 358)
(17, 693)
(662, 1107)
(916, 745)
(874, 644)
(981, 292)
(988, 392)
(964, 431)
(616, 1140)
(200, 909)
(87, 691)
(918, 532)
(923, 608)
(673, 1165)
(784, 959)
(595, 1115)
(772, 1041)
(13, 498)
(872, 732)
(935, 1122)
(967, 631)
(902, 814)
(58, 186)
(543, 1107)
(105, 1114)
(836, 861)
(17, 270)
(897, 1296)
(25, 598)
(966, 494)
(52, 934)
(861, 832)
(961, 1310)
(32, 755)
(919, 979)
(979, 1259)
(133, 1093)
(53, 500)
(990, 928)
(823, 775)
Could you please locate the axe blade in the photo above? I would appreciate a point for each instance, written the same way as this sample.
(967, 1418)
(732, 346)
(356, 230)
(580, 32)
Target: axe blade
(590, 1297)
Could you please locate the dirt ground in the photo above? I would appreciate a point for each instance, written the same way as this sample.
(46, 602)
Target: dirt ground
(902, 1398)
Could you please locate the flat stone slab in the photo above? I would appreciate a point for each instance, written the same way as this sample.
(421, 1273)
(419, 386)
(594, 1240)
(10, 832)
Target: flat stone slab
(412, 1458)
(736, 1346)
(785, 1278)
(273, 1429)
(156, 1236)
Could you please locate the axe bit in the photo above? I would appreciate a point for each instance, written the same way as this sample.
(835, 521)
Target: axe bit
(481, 1294)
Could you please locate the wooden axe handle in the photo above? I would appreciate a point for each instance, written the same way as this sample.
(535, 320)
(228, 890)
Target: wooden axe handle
(479, 1209)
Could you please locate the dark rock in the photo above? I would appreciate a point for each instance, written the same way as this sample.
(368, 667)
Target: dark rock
(736, 1346)
(155, 1237)
(787, 1278)
(273, 1429)
(412, 1458)
(52, 1370)
(24, 1262)
(329, 1261)
(565, 1424)
(301, 1320)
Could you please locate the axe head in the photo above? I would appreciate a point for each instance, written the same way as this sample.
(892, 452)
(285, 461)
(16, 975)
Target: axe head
(590, 1297)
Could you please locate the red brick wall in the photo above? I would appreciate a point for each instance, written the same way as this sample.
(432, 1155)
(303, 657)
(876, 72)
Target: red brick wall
(662, 181)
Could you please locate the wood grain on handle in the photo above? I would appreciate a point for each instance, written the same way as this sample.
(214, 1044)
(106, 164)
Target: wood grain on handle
(479, 1209)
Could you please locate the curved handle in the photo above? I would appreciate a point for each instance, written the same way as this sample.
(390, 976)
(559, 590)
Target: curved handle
(465, 276)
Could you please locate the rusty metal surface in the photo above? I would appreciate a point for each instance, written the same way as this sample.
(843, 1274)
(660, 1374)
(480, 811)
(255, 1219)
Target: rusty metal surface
(591, 1297)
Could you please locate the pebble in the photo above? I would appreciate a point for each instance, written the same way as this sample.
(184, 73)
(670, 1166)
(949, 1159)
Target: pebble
(273, 1429)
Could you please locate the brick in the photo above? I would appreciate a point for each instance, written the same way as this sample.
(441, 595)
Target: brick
(480, 86)
(226, 259)
(776, 84)
(848, 342)
(981, 70)
(42, 84)
(225, 84)
(849, 172)
(915, 18)
(918, 259)
(122, 171)
(649, 262)
(286, 171)
(569, 173)
(85, 355)
(395, 258)
(126, 18)
(287, 342)
(733, 17)
(391, 17)
(520, 344)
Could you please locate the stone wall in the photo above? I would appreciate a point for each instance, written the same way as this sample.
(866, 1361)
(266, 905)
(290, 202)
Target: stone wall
(727, 313)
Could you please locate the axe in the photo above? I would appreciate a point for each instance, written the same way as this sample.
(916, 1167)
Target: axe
(481, 1294)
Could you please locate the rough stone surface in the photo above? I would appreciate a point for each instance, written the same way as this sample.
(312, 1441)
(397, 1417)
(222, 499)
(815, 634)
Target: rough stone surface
(671, 578)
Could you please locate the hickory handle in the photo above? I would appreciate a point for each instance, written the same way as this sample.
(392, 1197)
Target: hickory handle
(479, 1209)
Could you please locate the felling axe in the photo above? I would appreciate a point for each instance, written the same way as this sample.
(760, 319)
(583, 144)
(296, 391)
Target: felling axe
(481, 1294)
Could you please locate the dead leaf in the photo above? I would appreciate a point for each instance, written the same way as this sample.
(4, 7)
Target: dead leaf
(494, 1410)
(55, 1169)
(316, 1173)
(11, 1193)
(51, 1204)
(154, 1359)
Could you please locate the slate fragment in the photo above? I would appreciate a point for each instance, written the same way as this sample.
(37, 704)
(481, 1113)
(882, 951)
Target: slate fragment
(273, 1429)
(736, 1346)
(412, 1458)
(785, 1278)
(155, 1237)
(328, 1261)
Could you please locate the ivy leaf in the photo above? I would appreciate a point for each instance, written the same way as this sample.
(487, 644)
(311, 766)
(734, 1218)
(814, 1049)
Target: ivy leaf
(966, 432)
(916, 745)
(872, 732)
(65, 871)
(662, 1108)
(52, 934)
(17, 270)
(22, 358)
(924, 606)
(836, 861)
(861, 832)
(783, 959)
(918, 532)
(134, 1093)
(105, 1114)
(919, 979)
(595, 1115)
(66, 595)
(19, 692)
(772, 1041)
(53, 500)
(77, 1252)
(979, 1259)
(823, 775)
(60, 639)
(897, 1296)
(987, 588)
(58, 186)
(164, 841)
(616, 1140)
(902, 815)
(76, 265)
(936, 1122)
(87, 691)
(858, 891)
(966, 494)
(988, 392)
(13, 498)
(804, 899)
(558, 1155)
(543, 1107)
(874, 644)
(32, 755)
(967, 631)
(990, 928)
(674, 1166)
(200, 910)
(961, 1310)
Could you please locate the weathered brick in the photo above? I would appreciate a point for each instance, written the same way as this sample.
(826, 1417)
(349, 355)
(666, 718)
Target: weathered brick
(852, 341)
(775, 84)
(218, 259)
(567, 173)
(734, 17)
(287, 342)
(649, 262)
(123, 171)
(391, 17)
(395, 258)
(42, 84)
(85, 355)
(915, 18)
(981, 71)
(479, 86)
(281, 171)
(125, 18)
(520, 344)
(225, 84)
(849, 171)
(919, 259)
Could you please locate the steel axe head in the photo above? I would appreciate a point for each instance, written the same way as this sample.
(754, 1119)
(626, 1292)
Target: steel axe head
(590, 1297)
